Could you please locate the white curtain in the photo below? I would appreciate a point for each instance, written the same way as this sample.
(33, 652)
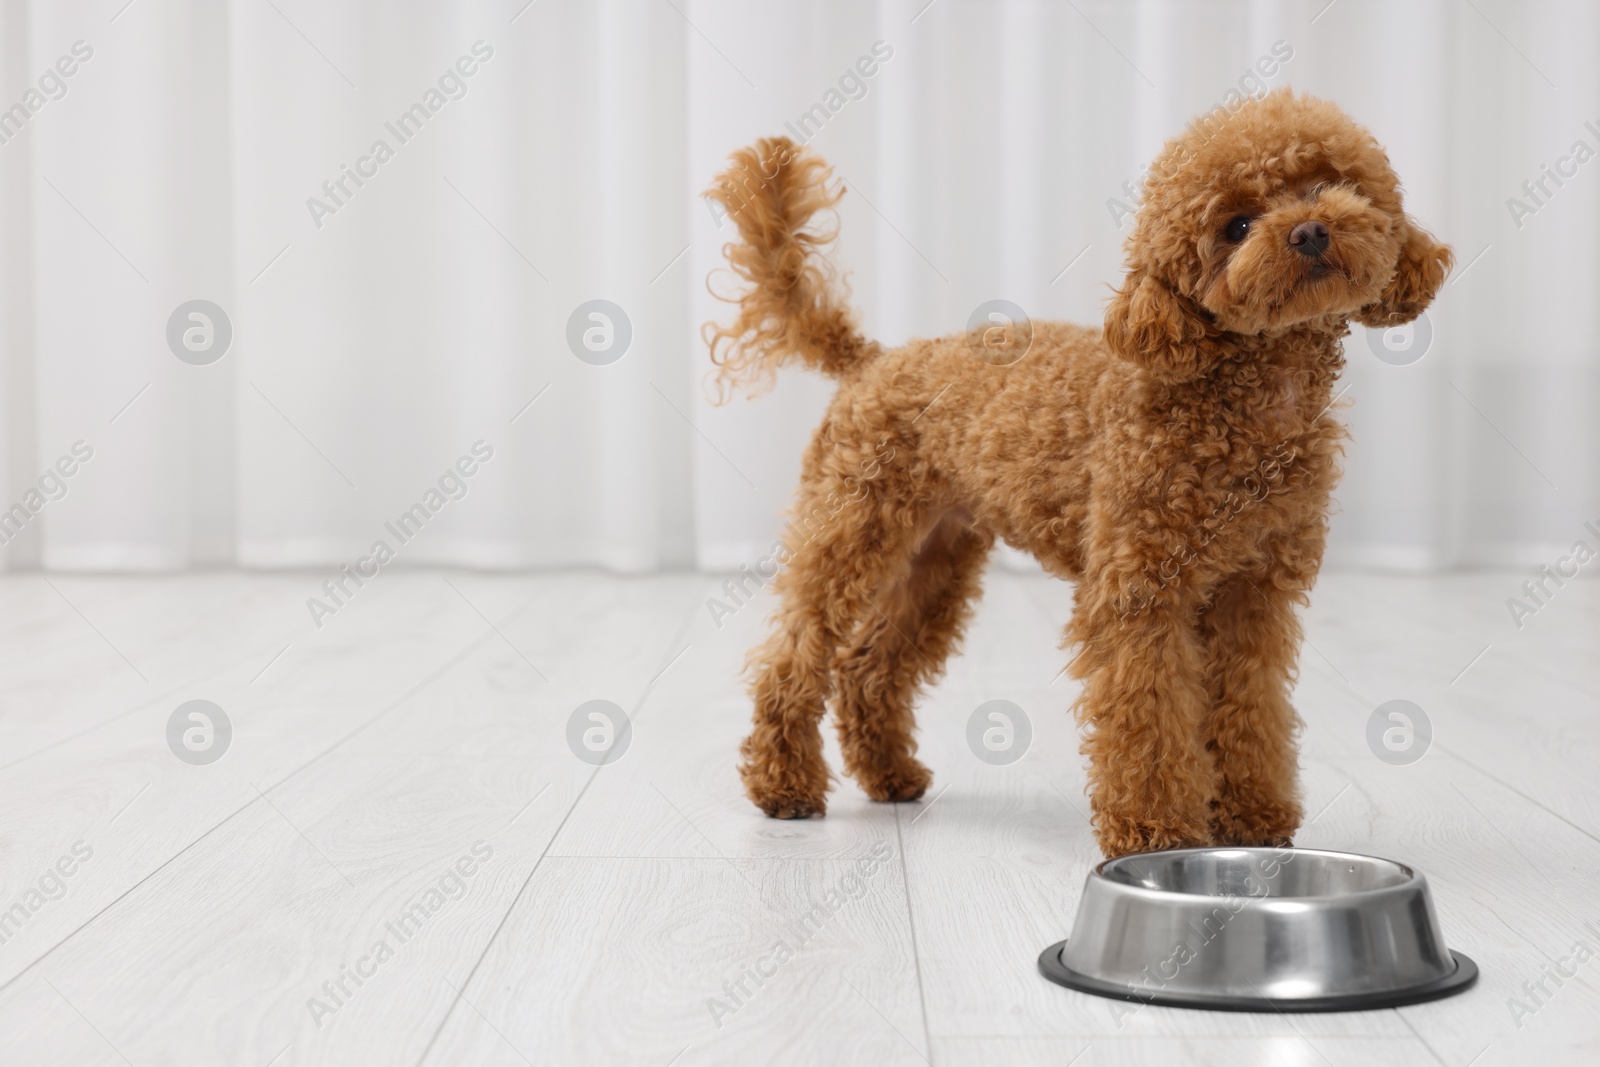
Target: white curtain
(387, 322)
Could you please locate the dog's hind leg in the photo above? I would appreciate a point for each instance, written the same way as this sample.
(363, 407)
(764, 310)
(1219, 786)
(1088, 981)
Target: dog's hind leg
(911, 626)
(1252, 638)
(848, 537)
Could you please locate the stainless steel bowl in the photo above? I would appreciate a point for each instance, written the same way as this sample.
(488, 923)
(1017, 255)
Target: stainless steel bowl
(1258, 929)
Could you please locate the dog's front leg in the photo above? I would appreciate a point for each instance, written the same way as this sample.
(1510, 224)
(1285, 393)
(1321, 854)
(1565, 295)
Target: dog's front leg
(1143, 701)
(1252, 639)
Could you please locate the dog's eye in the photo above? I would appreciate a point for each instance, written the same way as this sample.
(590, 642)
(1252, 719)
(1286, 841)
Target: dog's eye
(1237, 229)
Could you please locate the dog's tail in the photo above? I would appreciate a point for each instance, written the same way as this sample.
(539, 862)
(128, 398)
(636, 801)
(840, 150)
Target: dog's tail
(795, 305)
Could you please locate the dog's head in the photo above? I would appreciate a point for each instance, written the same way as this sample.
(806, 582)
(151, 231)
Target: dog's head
(1282, 213)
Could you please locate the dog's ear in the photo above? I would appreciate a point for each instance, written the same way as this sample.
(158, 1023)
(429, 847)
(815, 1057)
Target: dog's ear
(1163, 331)
(1420, 271)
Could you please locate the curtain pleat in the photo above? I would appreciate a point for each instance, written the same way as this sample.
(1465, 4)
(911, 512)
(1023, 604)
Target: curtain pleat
(410, 215)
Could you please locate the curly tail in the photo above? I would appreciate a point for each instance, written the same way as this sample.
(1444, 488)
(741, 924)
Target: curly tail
(795, 303)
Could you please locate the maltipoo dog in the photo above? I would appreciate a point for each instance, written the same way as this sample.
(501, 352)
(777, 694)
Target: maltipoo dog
(1175, 464)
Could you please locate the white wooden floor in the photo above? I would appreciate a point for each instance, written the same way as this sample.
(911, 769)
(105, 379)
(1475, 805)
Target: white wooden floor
(428, 720)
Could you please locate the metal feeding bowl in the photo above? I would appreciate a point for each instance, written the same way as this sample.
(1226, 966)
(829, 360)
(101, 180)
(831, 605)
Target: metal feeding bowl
(1258, 929)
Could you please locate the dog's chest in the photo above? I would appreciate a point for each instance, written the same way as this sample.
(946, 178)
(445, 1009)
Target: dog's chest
(1282, 411)
(1279, 408)
(1254, 463)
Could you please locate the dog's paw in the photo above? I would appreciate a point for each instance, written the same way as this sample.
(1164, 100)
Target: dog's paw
(784, 784)
(786, 796)
(1120, 836)
(1268, 826)
(1222, 839)
(789, 806)
(906, 780)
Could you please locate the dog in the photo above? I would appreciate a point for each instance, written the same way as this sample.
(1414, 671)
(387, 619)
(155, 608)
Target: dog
(1175, 465)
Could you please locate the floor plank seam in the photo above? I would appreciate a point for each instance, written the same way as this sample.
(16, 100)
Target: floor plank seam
(911, 925)
(419, 687)
(1507, 785)
(444, 1020)
(460, 992)
(1425, 1043)
(446, 668)
(113, 903)
(167, 694)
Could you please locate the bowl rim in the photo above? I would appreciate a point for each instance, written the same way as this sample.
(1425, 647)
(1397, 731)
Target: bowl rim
(1413, 877)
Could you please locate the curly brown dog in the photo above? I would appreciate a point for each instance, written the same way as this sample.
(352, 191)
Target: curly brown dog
(1175, 465)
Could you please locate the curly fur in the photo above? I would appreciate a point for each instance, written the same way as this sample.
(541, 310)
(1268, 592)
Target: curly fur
(1175, 465)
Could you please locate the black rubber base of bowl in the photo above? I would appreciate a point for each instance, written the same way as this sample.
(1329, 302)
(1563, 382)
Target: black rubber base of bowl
(1466, 973)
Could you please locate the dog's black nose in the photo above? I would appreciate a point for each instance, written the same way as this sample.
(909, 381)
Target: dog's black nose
(1309, 238)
